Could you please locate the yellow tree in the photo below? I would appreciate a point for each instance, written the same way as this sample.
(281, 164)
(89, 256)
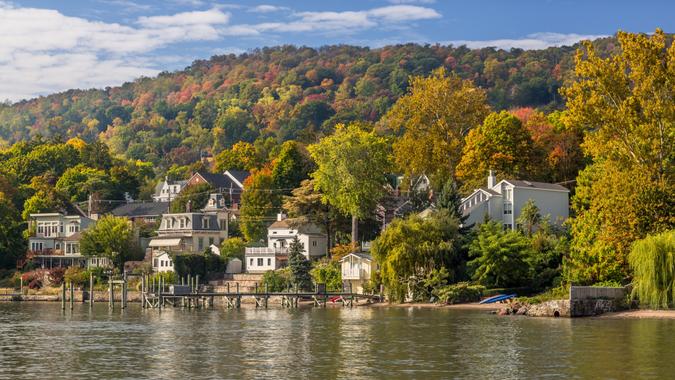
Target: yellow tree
(432, 120)
(502, 144)
(625, 105)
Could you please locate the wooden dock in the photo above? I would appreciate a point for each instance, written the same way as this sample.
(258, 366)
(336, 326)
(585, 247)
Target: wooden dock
(189, 294)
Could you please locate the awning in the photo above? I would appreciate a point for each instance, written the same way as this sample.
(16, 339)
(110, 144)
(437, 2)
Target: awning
(164, 242)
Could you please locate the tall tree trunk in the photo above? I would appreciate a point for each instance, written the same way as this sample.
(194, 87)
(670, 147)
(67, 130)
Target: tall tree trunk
(355, 231)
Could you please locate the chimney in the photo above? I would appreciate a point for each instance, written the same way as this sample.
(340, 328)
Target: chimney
(188, 206)
(491, 180)
(281, 216)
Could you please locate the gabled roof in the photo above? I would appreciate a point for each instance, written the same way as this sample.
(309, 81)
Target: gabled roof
(216, 180)
(360, 255)
(535, 185)
(238, 176)
(141, 209)
(293, 224)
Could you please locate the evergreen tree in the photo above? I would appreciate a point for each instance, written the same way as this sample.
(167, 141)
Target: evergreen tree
(450, 200)
(299, 265)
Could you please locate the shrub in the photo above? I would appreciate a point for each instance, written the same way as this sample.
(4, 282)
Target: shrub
(76, 275)
(189, 264)
(460, 292)
(277, 280)
(329, 273)
(55, 276)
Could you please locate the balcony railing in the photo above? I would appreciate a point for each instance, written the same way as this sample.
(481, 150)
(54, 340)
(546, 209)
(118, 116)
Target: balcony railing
(267, 251)
(50, 252)
(353, 274)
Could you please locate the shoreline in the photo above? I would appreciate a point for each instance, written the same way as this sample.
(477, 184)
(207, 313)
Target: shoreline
(638, 314)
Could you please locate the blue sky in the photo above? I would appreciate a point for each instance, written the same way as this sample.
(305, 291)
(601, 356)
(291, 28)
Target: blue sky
(48, 46)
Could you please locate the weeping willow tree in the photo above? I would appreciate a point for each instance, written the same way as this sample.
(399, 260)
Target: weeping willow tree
(412, 248)
(652, 260)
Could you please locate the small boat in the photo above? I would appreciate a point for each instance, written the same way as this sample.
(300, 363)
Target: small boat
(498, 298)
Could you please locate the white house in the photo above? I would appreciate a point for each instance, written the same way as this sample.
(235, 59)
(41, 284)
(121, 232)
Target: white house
(188, 232)
(280, 234)
(356, 271)
(55, 240)
(504, 200)
(161, 262)
(167, 190)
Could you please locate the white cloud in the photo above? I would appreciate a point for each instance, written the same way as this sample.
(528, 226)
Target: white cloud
(265, 8)
(44, 51)
(412, 1)
(348, 21)
(529, 42)
(195, 18)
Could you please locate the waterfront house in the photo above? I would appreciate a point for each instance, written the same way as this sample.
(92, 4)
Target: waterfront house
(503, 201)
(54, 241)
(356, 271)
(280, 234)
(187, 232)
(217, 206)
(161, 262)
(168, 190)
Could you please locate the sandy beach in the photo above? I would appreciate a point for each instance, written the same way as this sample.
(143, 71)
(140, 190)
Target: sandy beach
(639, 314)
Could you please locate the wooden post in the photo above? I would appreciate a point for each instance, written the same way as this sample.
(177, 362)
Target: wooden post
(228, 288)
(111, 301)
(91, 289)
(197, 284)
(20, 285)
(143, 292)
(160, 282)
(63, 296)
(256, 288)
(72, 295)
(267, 295)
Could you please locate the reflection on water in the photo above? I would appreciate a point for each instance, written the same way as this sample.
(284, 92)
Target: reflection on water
(39, 340)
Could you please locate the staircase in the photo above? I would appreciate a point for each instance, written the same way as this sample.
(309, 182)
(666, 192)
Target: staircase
(246, 281)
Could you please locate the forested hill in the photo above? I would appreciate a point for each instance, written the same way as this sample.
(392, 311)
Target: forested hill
(282, 92)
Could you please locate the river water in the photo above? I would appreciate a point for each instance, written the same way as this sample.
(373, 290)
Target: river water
(38, 340)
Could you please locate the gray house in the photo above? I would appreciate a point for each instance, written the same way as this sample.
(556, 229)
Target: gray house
(504, 200)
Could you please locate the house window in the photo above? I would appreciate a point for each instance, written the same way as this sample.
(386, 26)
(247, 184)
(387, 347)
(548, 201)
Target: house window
(210, 241)
(313, 243)
(206, 223)
(58, 246)
(251, 262)
(269, 262)
(507, 226)
(156, 263)
(200, 243)
(508, 193)
(508, 208)
(260, 262)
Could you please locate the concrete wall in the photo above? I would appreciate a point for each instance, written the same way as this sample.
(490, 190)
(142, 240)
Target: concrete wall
(590, 300)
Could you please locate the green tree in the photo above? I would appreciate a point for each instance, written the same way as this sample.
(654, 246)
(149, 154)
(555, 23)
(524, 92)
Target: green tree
(414, 247)
(233, 248)
(196, 195)
(652, 260)
(449, 199)
(305, 205)
(501, 144)
(81, 181)
(299, 265)
(529, 217)
(434, 117)
(110, 237)
(500, 257)
(259, 203)
(329, 273)
(291, 166)
(12, 244)
(352, 164)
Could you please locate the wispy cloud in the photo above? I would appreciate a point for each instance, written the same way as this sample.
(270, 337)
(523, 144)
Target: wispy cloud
(529, 42)
(44, 51)
(265, 8)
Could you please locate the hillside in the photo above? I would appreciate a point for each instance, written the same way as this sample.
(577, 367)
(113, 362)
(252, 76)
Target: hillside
(282, 92)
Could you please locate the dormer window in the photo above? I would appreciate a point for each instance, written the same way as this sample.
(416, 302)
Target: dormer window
(205, 223)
